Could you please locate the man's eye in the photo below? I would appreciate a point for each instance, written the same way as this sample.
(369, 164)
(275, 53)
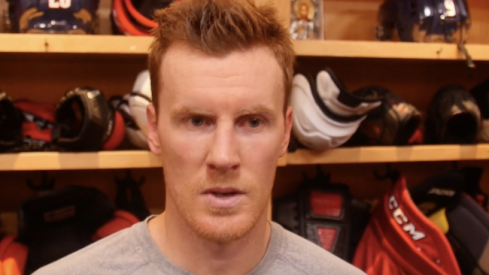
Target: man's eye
(197, 121)
(254, 122)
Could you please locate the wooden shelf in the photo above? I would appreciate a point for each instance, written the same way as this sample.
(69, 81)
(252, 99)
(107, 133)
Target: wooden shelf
(385, 49)
(83, 161)
(77, 161)
(117, 44)
(145, 159)
(391, 154)
(94, 44)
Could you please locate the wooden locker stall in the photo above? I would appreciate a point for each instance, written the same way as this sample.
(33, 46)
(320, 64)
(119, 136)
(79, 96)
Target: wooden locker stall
(43, 67)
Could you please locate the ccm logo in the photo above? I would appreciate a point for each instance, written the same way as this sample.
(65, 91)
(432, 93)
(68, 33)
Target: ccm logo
(403, 221)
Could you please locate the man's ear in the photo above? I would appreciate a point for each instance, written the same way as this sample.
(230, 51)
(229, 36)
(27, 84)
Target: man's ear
(153, 137)
(287, 129)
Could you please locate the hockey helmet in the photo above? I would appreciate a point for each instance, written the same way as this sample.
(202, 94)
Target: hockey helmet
(424, 20)
(395, 122)
(139, 99)
(85, 121)
(10, 124)
(133, 133)
(134, 17)
(54, 16)
(453, 117)
(325, 114)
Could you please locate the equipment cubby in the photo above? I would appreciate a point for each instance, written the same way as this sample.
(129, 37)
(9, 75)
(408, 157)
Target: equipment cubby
(43, 67)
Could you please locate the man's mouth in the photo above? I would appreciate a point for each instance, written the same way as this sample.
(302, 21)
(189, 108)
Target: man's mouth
(223, 197)
(223, 191)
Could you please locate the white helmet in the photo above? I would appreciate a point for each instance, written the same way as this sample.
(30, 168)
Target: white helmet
(140, 98)
(133, 133)
(325, 115)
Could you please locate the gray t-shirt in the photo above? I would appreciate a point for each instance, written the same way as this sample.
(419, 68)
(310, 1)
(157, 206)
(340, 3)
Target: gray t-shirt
(132, 252)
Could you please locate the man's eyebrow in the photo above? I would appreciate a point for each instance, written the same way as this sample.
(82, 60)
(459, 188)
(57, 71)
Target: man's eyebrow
(259, 109)
(187, 110)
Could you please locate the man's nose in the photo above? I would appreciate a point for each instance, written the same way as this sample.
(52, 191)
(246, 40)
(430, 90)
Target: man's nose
(224, 152)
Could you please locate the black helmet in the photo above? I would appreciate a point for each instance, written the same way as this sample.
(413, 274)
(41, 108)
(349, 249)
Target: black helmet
(425, 21)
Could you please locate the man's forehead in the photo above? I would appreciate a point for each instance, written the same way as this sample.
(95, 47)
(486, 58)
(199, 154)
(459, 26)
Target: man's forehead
(181, 59)
(188, 77)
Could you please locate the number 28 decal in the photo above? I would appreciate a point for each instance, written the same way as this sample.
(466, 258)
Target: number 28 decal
(56, 4)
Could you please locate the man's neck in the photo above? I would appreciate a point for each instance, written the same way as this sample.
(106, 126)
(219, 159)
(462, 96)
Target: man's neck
(181, 246)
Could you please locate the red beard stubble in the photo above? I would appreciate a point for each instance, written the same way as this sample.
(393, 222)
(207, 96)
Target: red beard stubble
(220, 225)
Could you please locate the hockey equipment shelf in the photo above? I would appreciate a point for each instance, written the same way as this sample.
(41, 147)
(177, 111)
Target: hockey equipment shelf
(114, 44)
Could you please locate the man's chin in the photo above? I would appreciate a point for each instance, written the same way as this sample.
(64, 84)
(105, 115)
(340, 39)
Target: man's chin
(223, 228)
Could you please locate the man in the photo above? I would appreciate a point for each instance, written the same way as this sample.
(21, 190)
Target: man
(221, 74)
(302, 28)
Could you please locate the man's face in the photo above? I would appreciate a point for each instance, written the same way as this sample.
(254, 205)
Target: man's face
(304, 11)
(219, 133)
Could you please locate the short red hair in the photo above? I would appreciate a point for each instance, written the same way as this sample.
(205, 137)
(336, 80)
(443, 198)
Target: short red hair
(219, 27)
